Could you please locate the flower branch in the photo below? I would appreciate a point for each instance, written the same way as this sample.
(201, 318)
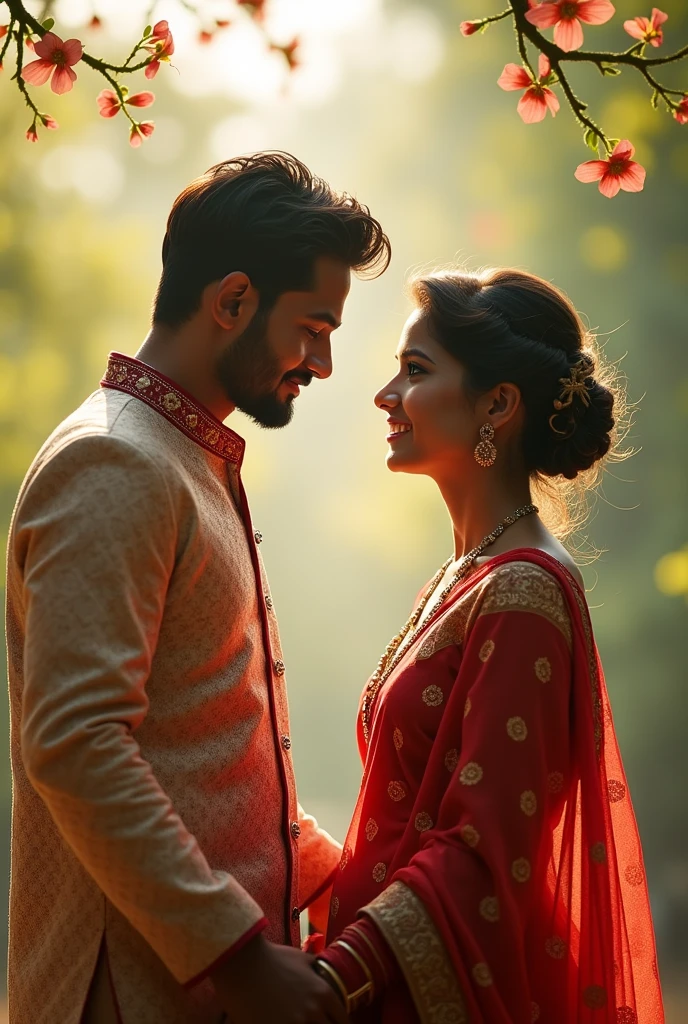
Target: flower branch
(530, 17)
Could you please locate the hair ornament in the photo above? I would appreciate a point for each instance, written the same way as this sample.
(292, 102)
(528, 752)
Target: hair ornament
(570, 386)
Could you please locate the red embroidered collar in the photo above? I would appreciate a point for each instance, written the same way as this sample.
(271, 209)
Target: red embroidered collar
(124, 373)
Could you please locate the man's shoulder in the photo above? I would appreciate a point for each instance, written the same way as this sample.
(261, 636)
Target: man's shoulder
(108, 420)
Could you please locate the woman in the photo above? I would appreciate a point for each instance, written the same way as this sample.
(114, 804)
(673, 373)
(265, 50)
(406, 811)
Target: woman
(492, 871)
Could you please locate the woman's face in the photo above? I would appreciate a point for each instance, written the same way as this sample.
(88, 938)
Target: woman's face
(432, 424)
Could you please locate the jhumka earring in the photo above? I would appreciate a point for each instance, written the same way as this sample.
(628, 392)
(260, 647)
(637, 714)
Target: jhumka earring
(485, 452)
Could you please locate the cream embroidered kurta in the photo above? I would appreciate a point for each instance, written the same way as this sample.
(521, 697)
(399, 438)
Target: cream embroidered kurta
(154, 799)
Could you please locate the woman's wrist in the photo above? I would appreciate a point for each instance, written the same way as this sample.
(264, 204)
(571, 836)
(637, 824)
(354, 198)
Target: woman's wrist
(359, 962)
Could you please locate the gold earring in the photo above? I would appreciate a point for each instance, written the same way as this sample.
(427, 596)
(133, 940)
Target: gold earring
(485, 452)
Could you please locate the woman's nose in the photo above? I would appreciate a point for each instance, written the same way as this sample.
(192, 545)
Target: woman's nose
(387, 398)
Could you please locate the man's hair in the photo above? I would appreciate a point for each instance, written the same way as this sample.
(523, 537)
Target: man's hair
(265, 215)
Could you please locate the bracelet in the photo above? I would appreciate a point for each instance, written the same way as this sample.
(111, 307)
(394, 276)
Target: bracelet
(332, 978)
(366, 990)
(362, 935)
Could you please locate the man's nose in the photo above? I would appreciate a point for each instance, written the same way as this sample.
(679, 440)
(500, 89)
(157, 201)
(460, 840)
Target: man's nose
(319, 360)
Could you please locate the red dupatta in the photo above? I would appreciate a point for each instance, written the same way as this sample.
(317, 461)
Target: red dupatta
(577, 949)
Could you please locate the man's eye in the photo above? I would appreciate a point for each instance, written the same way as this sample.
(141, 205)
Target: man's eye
(312, 332)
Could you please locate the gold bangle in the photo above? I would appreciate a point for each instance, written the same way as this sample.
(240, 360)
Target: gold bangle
(370, 984)
(362, 935)
(333, 979)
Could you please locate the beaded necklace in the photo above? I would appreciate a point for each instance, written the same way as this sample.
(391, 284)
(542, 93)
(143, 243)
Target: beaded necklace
(392, 654)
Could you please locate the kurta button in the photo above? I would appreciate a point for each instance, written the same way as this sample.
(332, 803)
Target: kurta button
(278, 667)
(286, 743)
(268, 602)
(295, 915)
(295, 830)
(258, 537)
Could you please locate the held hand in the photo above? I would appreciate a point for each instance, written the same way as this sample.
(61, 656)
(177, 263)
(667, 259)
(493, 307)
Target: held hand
(269, 984)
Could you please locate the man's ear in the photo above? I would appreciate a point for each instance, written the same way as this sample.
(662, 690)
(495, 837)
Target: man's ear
(233, 302)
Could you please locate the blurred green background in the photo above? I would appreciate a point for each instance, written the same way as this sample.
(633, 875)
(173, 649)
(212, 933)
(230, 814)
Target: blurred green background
(390, 103)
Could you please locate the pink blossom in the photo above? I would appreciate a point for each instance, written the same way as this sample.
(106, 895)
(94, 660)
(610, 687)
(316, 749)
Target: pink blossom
(161, 44)
(56, 56)
(648, 29)
(469, 27)
(32, 134)
(95, 22)
(3, 30)
(139, 132)
(49, 122)
(205, 37)
(109, 102)
(537, 98)
(566, 16)
(290, 52)
(681, 114)
(619, 171)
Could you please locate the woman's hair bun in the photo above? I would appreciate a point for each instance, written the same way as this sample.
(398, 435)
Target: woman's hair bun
(581, 432)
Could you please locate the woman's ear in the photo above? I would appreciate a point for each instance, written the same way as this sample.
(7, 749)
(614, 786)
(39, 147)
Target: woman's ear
(233, 302)
(502, 404)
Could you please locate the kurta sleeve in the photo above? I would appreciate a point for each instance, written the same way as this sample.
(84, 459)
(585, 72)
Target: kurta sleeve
(482, 865)
(96, 537)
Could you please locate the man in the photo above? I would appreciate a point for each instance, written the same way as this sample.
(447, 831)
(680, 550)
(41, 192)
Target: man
(160, 860)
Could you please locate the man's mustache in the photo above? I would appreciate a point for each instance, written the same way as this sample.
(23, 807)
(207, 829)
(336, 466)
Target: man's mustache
(303, 378)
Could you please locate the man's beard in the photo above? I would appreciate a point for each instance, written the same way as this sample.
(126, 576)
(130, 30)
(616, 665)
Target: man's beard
(249, 374)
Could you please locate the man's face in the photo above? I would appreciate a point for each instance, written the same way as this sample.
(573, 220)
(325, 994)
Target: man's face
(262, 370)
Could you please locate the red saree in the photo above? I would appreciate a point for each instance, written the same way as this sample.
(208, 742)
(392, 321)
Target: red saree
(494, 843)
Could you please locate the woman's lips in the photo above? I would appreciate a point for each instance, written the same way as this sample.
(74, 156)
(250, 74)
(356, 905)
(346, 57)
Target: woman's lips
(397, 430)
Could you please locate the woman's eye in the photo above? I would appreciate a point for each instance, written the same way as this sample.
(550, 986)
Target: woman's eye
(413, 369)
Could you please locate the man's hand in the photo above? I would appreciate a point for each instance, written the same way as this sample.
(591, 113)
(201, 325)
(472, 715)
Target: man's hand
(269, 984)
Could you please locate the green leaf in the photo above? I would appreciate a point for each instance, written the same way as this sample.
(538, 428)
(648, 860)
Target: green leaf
(147, 31)
(48, 24)
(610, 69)
(590, 138)
(654, 99)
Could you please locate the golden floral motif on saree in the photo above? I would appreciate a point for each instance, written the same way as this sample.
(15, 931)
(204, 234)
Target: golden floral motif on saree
(433, 696)
(371, 829)
(471, 774)
(449, 630)
(555, 947)
(470, 835)
(595, 997)
(487, 650)
(555, 782)
(626, 1015)
(517, 729)
(396, 791)
(634, 874)
(598, 853)
(528, 802)
(522, 586)
(345, 859)
(534, 1012)
(520, 869)
(451, 759)
(423, 822)
(398, 738)
(489, 909)
(416, 944)
(334, 907)
(543, 670)
(379, 872)
(482, 975)
(615, 790)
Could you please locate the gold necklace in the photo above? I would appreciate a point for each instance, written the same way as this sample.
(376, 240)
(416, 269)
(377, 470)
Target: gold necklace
(392, 654)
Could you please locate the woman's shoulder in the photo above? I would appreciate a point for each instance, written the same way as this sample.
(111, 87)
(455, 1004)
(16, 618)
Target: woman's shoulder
(520, 584)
